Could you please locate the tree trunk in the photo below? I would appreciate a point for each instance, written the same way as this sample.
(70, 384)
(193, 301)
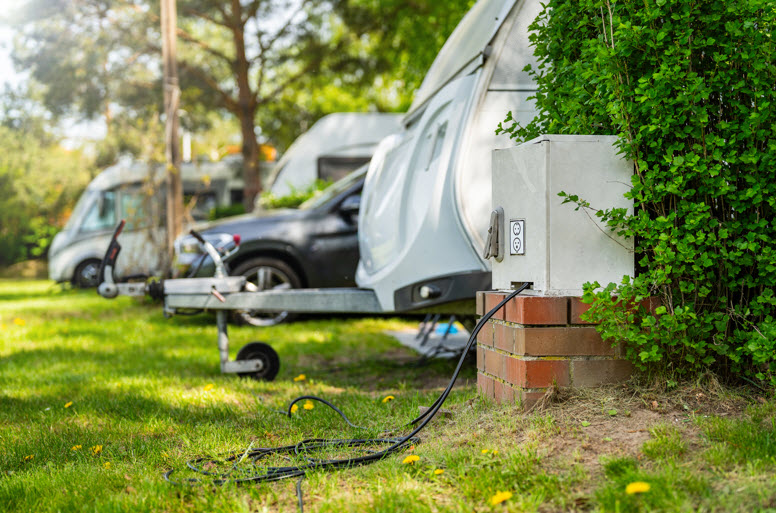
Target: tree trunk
(246, 111)
(171, 102)
(250, 153)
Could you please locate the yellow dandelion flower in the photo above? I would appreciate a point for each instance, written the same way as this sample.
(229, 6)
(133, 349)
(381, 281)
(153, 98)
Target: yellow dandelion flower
(637, 487)
(28, 458)
(165, 455)
(300, 377)
(494, 452)
(75, 447)
(439, 471)
(500, 497)
(388, 398)
(68, 404)
(208, 387)
(308, 405)
(19, 322)
(106, 464)
(485, 451)
(411, 459)
(96, 449)
(294, 408)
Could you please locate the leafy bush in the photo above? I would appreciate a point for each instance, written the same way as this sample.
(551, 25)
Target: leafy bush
(689, 89)
(226, 211)
(294, 198)
(39, 183)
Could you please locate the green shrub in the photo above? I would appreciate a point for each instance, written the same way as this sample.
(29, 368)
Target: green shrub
(294, 198)
(689, 89)
(226, 211)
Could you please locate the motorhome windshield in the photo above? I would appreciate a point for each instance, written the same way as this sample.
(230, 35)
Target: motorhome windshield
(101, 214)
(84, 202)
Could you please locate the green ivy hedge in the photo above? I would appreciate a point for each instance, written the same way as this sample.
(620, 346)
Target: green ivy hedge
(690, 89)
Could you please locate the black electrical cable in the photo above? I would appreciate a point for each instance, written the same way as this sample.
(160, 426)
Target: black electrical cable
(306, 448)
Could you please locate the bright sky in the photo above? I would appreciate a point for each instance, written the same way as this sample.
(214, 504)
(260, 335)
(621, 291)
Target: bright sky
(74, 131)
(7, 73)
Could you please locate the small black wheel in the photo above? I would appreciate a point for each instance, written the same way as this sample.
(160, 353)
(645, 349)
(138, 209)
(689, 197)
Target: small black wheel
(267, 355)
(87, 274)
(266, 274)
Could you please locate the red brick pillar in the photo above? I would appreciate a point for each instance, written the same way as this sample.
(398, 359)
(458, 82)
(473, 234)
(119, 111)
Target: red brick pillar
(535, 341)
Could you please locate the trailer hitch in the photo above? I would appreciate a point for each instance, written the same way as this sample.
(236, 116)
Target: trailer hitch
(256, 359)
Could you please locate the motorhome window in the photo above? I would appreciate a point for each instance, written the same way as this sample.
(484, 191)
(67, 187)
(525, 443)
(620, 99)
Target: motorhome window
(201, 204)
(335, 168)
(102, 213)
(135, 208)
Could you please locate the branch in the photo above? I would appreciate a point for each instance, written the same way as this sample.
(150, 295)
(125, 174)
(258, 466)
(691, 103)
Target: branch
(229, 102)
(211, 19)
(282, 30)
(293, 78)
(206, 47)
(251, 11)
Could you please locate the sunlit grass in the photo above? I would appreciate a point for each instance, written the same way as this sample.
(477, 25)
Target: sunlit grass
(79, 372)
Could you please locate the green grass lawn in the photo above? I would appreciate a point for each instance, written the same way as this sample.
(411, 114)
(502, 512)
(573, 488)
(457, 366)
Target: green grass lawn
(99, 398)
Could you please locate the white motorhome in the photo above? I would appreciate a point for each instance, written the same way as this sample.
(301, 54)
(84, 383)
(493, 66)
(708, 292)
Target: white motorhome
(136, 192)
(333, 147)
(128, 190)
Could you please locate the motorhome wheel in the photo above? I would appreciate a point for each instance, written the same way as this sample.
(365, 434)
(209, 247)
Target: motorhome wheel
(266, 274)
(267, 355)
(87, 274)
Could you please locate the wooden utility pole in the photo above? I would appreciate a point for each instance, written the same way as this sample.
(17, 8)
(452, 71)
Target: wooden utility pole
(172, 95)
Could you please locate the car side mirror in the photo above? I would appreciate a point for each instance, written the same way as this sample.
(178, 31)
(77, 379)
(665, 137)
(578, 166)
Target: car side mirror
(350, 205)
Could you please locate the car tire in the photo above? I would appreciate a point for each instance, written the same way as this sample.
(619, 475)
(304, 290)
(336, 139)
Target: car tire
(264, 273)
(87, 274)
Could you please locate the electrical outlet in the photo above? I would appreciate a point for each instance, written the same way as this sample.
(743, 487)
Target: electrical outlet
(517, 236)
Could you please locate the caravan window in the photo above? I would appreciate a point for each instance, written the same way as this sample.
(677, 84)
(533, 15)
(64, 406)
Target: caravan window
(101, 214)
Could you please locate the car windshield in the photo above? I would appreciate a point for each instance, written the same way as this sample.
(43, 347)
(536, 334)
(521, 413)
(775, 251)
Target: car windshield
(334, 189)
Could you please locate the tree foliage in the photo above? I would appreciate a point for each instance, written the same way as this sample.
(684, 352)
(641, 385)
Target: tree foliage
(39, 182)
(690, 88)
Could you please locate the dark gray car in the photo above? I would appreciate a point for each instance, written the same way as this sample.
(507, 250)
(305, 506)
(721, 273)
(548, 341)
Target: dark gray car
(313, 246)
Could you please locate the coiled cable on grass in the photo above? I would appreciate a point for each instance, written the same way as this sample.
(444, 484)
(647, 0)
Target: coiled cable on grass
(308, 448)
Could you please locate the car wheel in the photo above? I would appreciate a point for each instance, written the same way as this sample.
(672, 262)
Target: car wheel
(266, 274)
(87, 274)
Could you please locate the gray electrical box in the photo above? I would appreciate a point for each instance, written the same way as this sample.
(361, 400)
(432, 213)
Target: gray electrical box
(555, 246)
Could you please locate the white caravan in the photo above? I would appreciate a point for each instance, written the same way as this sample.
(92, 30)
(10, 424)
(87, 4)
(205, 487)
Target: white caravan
(426, 204)
(333, 147)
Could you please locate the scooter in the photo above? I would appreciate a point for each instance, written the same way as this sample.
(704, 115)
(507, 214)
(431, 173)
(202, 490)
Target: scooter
(255, 360)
